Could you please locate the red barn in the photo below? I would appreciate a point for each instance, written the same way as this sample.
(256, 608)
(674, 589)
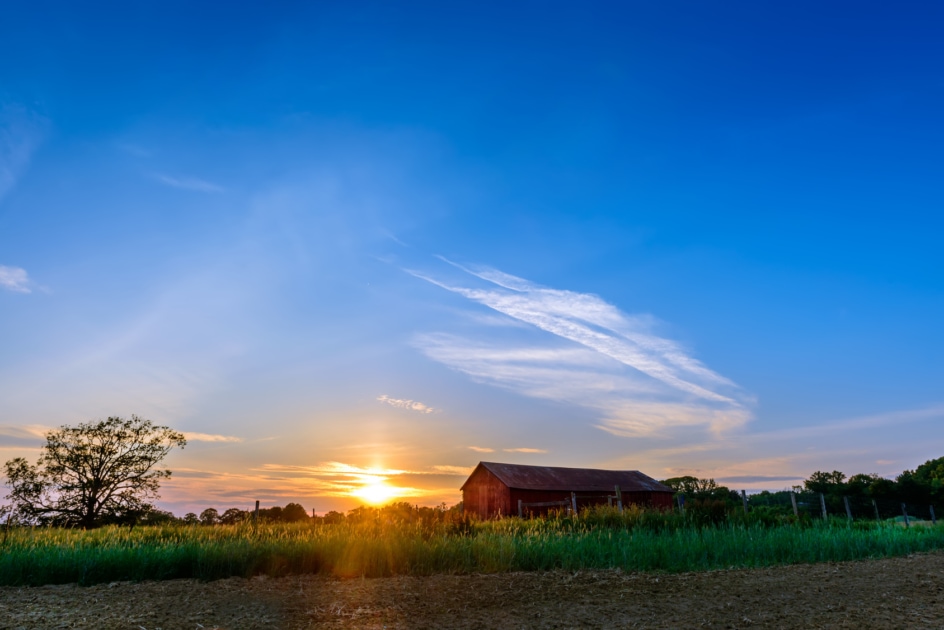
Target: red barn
(500, 489)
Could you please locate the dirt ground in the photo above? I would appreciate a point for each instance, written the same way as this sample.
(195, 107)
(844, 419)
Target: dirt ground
(892, 593)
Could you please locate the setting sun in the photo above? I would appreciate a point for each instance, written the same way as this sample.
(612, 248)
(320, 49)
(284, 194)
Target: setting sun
(377, 493)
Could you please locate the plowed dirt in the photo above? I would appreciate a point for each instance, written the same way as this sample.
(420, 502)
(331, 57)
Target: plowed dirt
(889, 593)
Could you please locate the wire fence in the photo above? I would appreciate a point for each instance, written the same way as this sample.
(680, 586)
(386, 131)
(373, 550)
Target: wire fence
(815, 505)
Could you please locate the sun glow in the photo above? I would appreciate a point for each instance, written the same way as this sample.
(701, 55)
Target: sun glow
(377, 493)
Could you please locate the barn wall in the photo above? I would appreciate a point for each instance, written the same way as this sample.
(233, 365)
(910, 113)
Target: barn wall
(661, 500)
(486, 496)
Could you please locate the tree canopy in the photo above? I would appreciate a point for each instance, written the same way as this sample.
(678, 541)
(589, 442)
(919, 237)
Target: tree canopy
(93, 473)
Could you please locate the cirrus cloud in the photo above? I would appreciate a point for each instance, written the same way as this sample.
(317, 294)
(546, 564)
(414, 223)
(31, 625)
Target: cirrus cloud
(577, 348)
(403, 403)
(15, 279)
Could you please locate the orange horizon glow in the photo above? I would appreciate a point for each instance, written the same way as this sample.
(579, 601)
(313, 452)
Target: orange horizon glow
(378, 492)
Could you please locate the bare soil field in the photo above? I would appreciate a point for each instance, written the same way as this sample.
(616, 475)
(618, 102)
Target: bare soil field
(890, 593)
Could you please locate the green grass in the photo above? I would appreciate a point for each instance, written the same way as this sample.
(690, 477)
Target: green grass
(600, 539)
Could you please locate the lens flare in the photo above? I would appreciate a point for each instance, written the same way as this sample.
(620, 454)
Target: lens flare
(377, 493)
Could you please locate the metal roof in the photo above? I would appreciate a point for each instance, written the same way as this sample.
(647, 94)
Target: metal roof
(555, 478)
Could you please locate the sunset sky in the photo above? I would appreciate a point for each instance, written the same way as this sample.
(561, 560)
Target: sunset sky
(353, 248)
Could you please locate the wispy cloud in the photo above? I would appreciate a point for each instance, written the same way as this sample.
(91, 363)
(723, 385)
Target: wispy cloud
(580, 349)
(208, 437)
(21, 132)
(757, 479)
(28, 431)
(456, 471)
(15, 279)
(188, 183)
(524, 450)
(481, 449)
(23, 437)
(402, 403)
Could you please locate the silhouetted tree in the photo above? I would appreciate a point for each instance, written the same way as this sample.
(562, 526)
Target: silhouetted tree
(826, 482)
(209, 516)
(157, 517)
(93, 473)
(882, 488)
(233, 516)
(859, 485)
(930, 474)
(294, 512)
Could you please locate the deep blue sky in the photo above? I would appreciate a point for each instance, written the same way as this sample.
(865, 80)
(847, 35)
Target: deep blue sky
(283, 230)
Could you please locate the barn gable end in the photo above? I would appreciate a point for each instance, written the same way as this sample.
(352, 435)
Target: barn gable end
(485, 495)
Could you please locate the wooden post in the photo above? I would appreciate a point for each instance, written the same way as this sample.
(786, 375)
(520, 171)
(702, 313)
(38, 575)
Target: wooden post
(822, 503)
(793, 500)
(573, 501)
(681, 503)
(312, 513)
(933, 518)
(875, 505)
(520, 511)
(904, 511)
(744, 500)
(255, 515)
(619, 498)
(609, 501)
(845, 500)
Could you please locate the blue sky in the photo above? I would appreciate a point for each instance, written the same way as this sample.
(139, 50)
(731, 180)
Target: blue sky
(341, 243)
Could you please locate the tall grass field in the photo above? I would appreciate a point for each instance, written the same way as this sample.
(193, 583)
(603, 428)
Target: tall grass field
(598, 539)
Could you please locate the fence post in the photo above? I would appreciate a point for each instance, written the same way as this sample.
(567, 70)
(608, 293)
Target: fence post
(822, 503)
(520, 513)
(933, 518)
(904, 511)
(875, 505)
(681, 503)
(793, 500)
(848, 509)
(255, 514)
(573, 500)
(744, 500)
(619, 498)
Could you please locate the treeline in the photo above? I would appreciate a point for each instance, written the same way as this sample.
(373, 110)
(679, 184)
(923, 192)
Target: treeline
(400, 513)
(865, 494)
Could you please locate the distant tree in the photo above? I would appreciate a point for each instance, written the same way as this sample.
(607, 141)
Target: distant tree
(157, 517)
(233, 516)
(93, 473)
(686, 485)
(882, 488)
(913, 488)
(930, 474)
(333, 517)
(858, 485)
(272, 514)
(191, 519)
(294, 512)
(699, 489)
(209, 516)
(826, 482)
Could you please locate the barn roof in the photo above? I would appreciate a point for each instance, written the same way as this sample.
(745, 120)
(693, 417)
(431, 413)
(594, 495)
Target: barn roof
(555, 478)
